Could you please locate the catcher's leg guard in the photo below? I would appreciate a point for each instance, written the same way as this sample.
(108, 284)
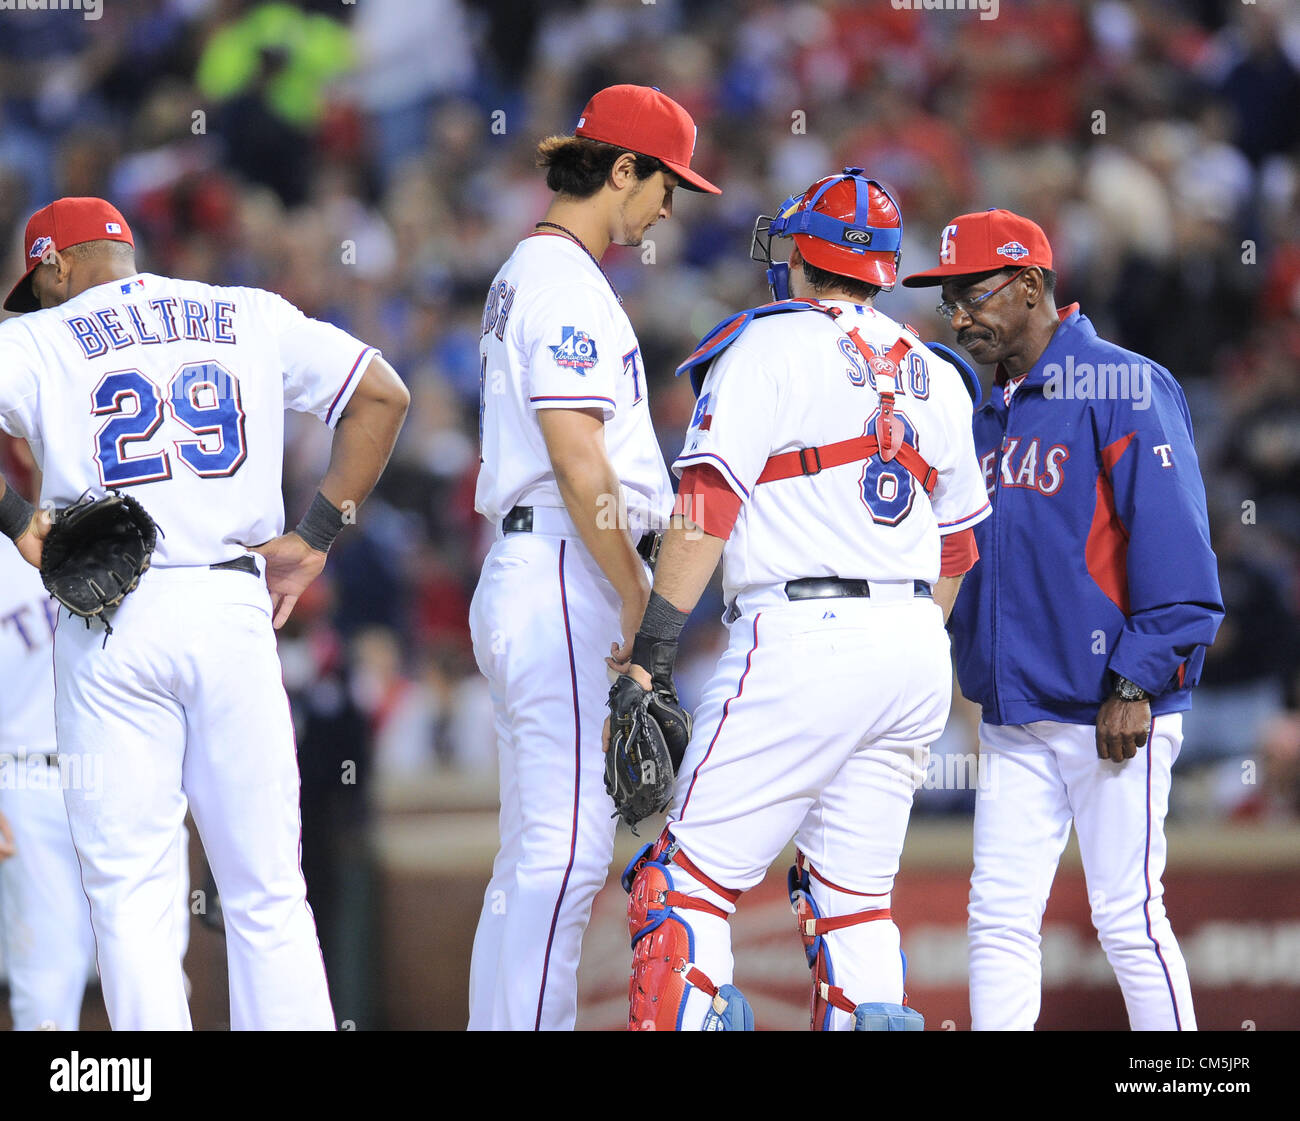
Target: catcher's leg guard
(827, 993)
(667, 990)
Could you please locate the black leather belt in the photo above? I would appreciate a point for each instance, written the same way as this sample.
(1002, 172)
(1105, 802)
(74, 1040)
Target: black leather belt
(830, 587)
(239, 564)
(520, 520)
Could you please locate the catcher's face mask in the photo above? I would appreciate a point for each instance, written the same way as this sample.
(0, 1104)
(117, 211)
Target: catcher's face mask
(766, 227)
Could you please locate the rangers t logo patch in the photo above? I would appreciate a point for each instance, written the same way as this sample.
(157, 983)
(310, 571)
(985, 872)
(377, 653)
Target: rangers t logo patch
(575, 351)
(41, 246)
(1012, 249)
(946, 246)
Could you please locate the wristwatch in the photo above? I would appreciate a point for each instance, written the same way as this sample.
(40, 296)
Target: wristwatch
(1127, 690)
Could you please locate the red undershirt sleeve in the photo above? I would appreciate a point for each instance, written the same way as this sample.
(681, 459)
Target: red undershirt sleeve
(959, 553)
(705, 498)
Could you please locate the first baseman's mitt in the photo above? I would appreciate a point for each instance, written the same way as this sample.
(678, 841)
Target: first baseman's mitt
(96, 552)
(648, 734)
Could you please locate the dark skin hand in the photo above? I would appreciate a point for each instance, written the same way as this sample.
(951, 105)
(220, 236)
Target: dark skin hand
(1122, 727)
(31, 542)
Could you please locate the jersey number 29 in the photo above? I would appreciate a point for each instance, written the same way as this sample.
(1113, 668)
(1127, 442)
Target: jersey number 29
(203, 397)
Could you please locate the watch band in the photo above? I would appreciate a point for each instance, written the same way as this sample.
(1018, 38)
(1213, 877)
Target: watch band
(1127, 690)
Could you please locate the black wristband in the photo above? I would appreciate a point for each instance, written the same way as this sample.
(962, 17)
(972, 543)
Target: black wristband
(662, 620)
(655, 647)
(15, 513)
(322, 522)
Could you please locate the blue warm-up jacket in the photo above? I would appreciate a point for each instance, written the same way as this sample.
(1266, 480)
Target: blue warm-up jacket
(1097, 556)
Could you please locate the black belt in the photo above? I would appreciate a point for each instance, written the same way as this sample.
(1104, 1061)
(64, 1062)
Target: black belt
(239, 564)
(520, 520)
(830, 587)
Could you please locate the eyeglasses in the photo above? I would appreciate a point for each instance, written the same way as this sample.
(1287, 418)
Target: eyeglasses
(949, 308)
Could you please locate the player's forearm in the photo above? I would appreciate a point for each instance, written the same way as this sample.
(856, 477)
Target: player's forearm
(591, 491)
(364, 436)
(15, 511)
(687, 560)
(945, 593)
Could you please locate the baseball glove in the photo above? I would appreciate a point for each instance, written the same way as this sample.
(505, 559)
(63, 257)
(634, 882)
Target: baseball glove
(648, 734)
(96, 552)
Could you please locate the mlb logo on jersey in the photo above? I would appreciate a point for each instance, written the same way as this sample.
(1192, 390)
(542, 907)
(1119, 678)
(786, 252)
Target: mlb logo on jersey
(575, 351)
(1012, 249)
(41, 246)
(127, 288)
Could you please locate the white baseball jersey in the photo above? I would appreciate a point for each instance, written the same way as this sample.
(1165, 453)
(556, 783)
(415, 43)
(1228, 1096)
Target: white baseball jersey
(175, 391)
(866, 520)
(27, 618)
(554, 336)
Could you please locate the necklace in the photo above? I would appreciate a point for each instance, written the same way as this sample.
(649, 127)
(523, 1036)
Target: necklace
(579, 243)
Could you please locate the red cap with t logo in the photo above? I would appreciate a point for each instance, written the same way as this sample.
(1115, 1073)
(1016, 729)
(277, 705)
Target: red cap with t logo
(63, 223)
(648, 122)
(984, 242)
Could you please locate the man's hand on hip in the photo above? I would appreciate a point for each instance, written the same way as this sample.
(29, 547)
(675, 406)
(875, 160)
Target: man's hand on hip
(291, 566)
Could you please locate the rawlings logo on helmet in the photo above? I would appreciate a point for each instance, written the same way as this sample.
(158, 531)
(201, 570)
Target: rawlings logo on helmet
(1012, 249)
(41, 246)
(846, 224)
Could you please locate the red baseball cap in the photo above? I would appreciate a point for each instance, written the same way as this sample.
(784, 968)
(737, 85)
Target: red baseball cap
(984, 242)
(64, 222)
(650, 123)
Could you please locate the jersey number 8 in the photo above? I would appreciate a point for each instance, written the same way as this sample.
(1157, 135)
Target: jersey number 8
(888, 489)
(203, 397)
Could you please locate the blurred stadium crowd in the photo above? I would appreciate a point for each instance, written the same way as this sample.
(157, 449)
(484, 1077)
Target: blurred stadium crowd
(372, 162)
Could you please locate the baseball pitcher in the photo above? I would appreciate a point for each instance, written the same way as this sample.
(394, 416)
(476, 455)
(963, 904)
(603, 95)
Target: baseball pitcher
(575, 486)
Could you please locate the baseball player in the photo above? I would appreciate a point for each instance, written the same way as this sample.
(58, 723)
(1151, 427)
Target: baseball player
(174, 392)
(574, 483)
(829, 464)
(44, 919)
(45, 934)
(1082, 632)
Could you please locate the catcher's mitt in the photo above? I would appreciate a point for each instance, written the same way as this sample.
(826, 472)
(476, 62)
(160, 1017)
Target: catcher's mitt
(648, 734)
(96, 552)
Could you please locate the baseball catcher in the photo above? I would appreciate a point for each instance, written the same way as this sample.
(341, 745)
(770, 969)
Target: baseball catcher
(830, 467)
(96, 552)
